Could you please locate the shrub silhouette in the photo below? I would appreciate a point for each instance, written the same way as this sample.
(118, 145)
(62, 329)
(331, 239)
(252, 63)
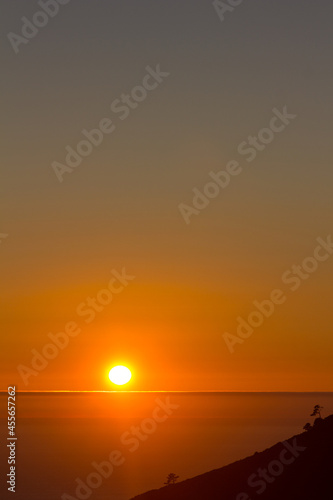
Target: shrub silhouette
(171, 479)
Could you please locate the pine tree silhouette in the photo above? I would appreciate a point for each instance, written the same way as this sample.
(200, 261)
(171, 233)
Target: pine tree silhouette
(317, 411)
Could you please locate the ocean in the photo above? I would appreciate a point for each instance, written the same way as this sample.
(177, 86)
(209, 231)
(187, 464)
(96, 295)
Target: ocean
(112, 446)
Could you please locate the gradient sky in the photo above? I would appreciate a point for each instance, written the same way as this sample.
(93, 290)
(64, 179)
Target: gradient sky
(119, 208)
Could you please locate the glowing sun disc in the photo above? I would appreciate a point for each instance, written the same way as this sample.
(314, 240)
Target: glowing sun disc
(120, 375)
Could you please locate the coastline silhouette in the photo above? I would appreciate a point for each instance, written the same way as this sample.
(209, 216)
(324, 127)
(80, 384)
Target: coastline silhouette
(299, 468)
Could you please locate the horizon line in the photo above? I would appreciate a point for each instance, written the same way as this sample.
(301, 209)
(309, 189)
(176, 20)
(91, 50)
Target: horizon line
(209, 391)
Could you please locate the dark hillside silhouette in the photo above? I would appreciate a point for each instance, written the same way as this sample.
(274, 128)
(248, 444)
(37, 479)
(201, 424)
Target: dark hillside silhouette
(300, 468)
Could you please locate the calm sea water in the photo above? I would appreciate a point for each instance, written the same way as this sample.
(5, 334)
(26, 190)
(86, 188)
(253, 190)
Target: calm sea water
(60, 436)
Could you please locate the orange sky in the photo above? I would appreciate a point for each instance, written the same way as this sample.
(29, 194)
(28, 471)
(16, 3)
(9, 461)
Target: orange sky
(119, 208)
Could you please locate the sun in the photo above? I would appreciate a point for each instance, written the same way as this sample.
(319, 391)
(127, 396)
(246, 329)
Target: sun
(120, 375)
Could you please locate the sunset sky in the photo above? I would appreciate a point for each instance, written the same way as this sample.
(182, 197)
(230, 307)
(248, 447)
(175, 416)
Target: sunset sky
(119, 209)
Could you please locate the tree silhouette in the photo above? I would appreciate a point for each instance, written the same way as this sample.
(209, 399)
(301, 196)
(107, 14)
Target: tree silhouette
(171, 479)
(307, 427)
(316, 411)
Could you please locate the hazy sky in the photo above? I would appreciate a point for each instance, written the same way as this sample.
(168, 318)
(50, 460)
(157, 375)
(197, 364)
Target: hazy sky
(120, 207)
